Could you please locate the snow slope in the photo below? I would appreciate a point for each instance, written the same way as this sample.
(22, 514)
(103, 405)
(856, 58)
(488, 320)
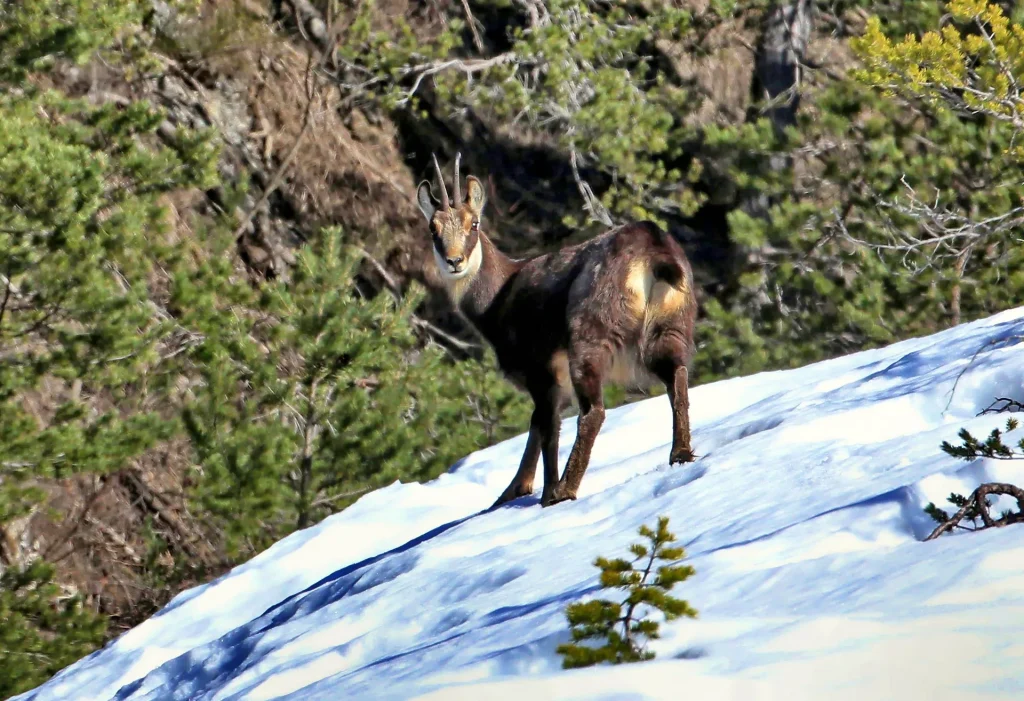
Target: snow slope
(803, 519)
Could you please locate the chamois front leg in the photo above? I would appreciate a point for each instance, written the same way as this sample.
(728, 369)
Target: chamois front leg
(543, 439)
(587, 382)
(549, 441)
(522, 483)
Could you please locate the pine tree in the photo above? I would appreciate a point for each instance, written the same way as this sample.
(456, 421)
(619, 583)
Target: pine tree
(577, 74)
(625, 626)
(80, 239)
(85, 342)
(42, 628)
(843, 259)
(81, 244)
(312, 395)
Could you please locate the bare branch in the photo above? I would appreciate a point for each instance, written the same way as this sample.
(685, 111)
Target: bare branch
(7, 298)
(471, 21)
(977, 500)
(942, 234)
(1003, 405)
(393, 287)
(326, 501)
(469, 68)
(591, 203)
(991, 342)
(114, 537)
(275, 181)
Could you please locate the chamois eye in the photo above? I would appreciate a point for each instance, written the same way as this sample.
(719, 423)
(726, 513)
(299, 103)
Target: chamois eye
(476, 225)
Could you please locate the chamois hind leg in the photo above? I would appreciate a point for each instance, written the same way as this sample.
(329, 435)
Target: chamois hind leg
(666, 358)
(587, 371)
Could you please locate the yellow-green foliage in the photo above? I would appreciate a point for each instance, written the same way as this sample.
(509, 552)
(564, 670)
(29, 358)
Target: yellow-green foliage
(974, 63)
(625, 627)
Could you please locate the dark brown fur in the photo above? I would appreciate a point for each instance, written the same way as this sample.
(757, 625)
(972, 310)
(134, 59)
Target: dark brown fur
(619, 307)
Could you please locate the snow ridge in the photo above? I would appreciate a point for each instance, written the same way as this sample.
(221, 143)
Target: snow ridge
(803, 518)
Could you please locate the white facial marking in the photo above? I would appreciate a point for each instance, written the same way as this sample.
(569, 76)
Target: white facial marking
(472, 265)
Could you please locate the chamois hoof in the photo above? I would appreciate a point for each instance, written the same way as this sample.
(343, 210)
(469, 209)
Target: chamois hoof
(557, 496)
(679, 457)
(511, 494)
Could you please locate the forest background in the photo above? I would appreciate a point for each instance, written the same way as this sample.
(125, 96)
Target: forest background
(219, 320)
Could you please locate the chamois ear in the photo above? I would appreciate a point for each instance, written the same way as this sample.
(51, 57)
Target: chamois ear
(425, 200)
(475, 195)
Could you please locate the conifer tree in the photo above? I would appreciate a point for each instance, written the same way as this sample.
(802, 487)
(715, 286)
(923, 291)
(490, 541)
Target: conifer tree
(85, 341)
(42, 629)
(896, 218)
(80, 239)
(312, 395)
(624, 626)
(993, 446)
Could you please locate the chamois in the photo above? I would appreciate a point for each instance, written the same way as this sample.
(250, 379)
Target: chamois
(619, 307)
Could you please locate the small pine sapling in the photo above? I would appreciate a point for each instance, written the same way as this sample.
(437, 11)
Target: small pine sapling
(625, 626)
(976, 506)
(991, 447)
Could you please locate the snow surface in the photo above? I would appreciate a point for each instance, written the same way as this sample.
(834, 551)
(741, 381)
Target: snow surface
(803, 519)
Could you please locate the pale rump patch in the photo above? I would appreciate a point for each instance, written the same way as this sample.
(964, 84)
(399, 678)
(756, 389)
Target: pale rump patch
(651, 299)
(639, 281)
(666, 300)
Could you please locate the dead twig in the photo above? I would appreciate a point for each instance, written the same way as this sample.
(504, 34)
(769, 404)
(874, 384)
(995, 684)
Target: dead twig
(977, 500)
(275, 181)
(327, 501)
(154, 502)
(941, 233)
(72, 527)
(468, 68)
(114, 537)
(991, 342)
(591, 203)
(471, 21)
(1001, 405)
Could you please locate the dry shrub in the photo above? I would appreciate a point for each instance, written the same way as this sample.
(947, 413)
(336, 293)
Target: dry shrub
(347, 170)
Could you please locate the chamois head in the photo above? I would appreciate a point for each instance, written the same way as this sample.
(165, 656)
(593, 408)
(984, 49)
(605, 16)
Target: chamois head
(454, 226)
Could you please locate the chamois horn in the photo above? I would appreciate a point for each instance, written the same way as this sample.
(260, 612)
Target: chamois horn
(458, 183)
(445, 202)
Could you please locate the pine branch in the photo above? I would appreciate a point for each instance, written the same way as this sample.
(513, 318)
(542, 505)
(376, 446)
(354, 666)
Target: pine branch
(977, 501)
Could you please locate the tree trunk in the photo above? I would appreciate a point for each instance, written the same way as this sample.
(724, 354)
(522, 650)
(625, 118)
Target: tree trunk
(779, 59)
(310, 429)
(777, 73)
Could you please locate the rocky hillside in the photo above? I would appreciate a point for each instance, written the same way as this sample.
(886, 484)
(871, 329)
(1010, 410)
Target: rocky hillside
(219, 320)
